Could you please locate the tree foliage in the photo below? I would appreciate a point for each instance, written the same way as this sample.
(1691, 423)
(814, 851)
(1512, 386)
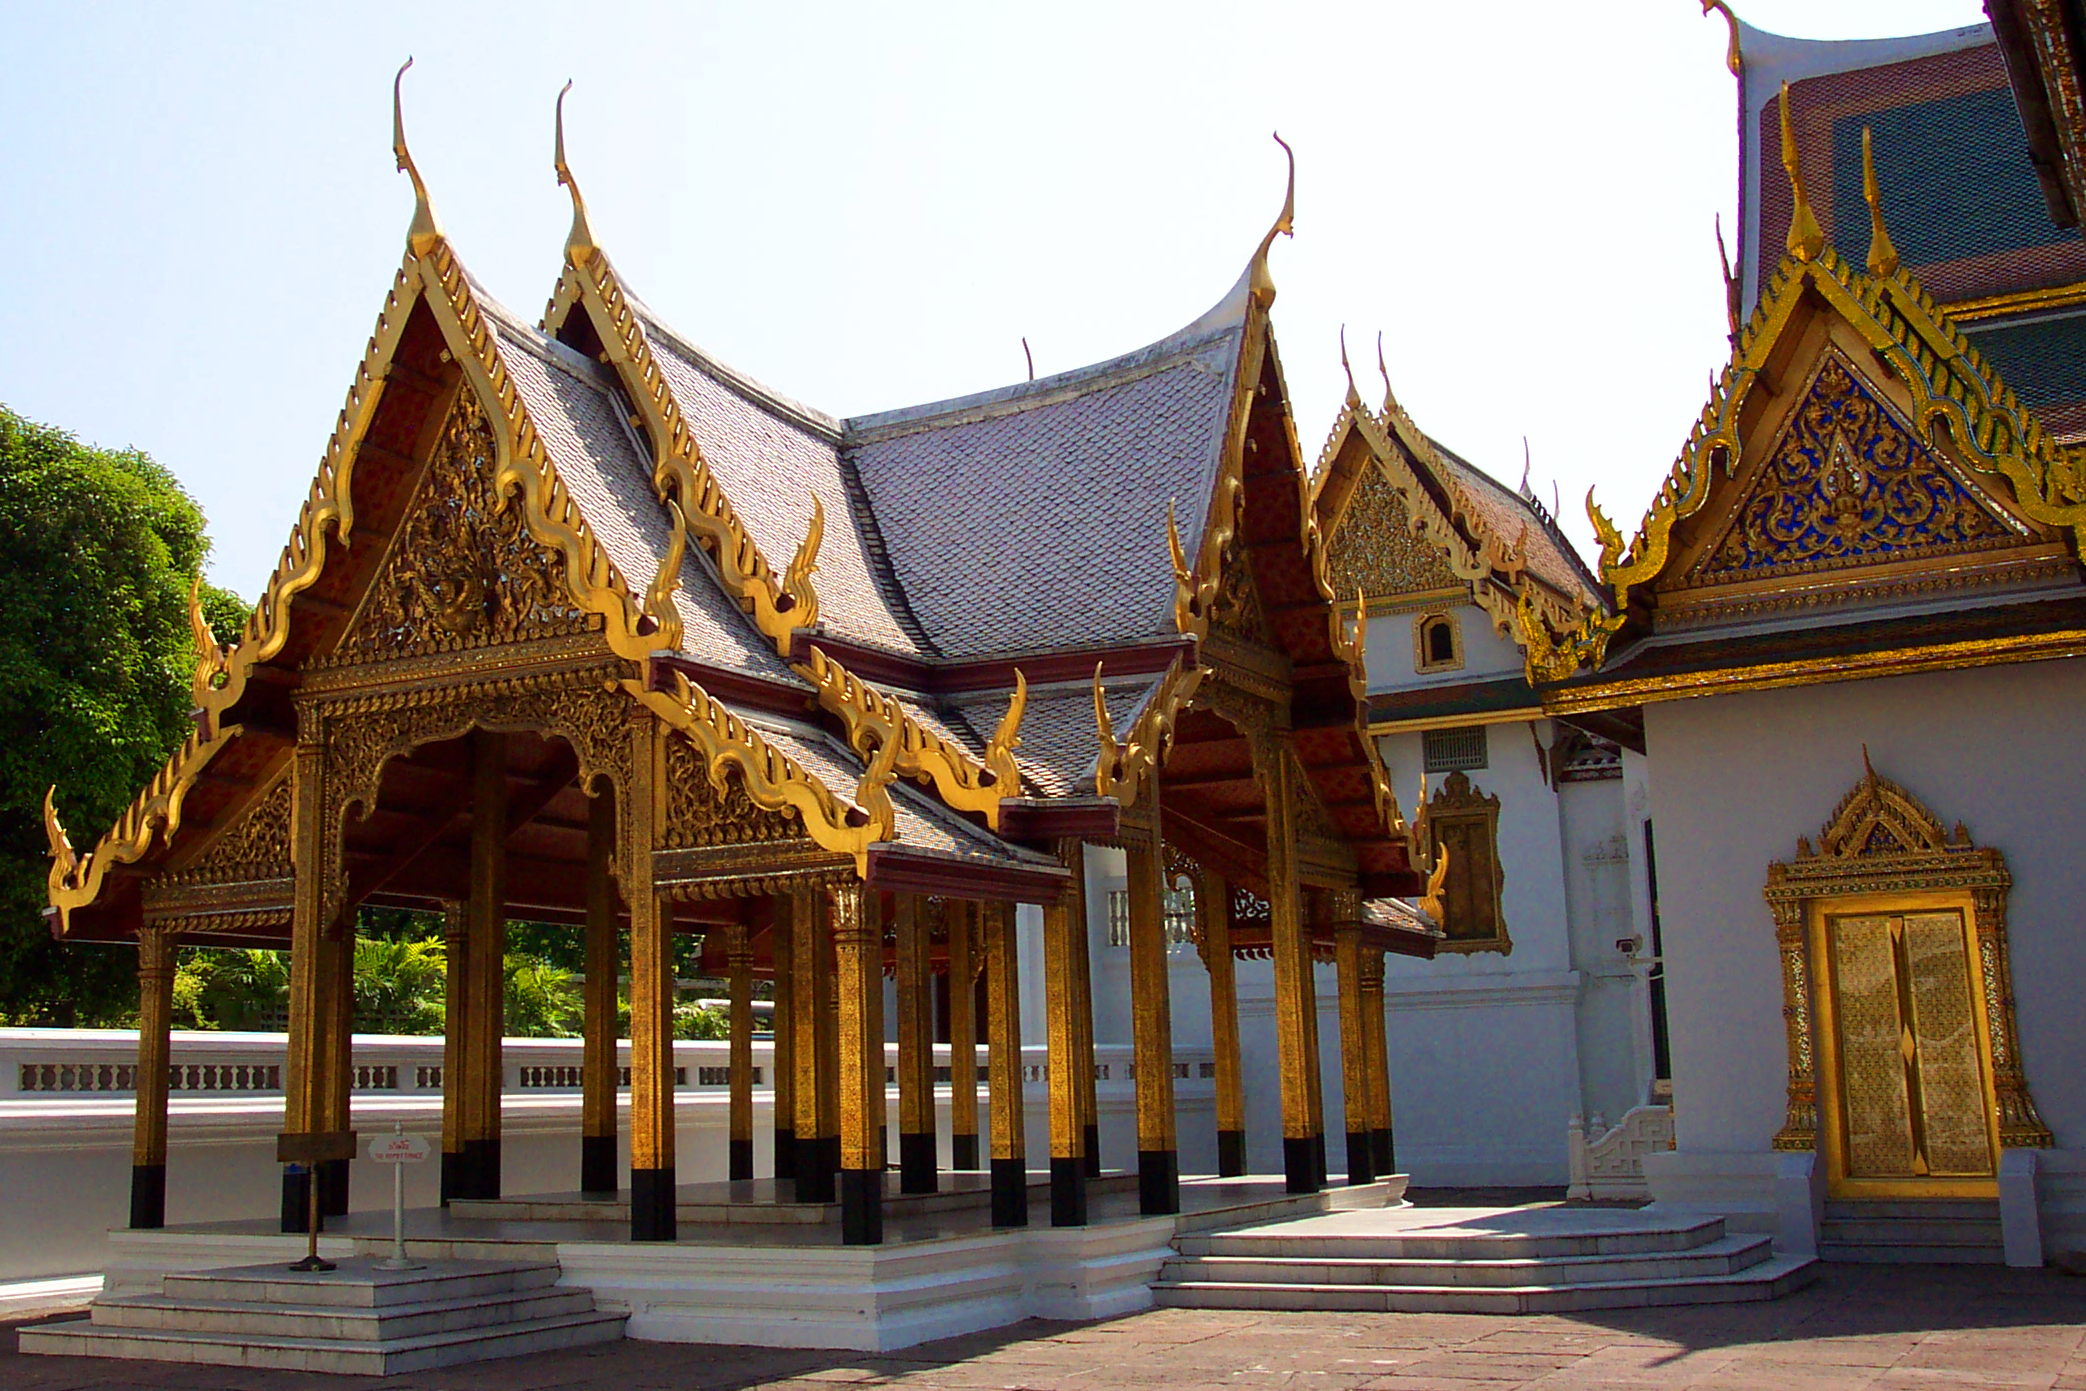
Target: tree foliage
(95, 660)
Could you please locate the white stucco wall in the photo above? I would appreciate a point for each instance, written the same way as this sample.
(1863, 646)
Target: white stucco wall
(1389, 653)
(1740, 777)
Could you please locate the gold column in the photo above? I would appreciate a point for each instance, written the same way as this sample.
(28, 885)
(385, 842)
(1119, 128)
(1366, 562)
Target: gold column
(1151, 1009)
(652, 1213)
(1383, 1157)
(304, 1081)
(1010, 1183)
(858, 945)
(338, 948)
(457, 1101)
(782, 1029)
(1213, 916)
(598, 1066)
(916, 1143)
(738, 961)
(1355, 1073)
(814, 1177)
(1082, 981)
(485, 944)
(1296, 997)
(1064, 942)
(148, 1157)
(963, 1037)
(828, 1044)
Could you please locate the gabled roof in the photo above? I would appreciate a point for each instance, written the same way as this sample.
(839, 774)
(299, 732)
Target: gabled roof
(1939, 399)
(1379, 471)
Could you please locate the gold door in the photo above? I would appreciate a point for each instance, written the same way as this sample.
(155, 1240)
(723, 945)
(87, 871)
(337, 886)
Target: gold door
(1909, 1108)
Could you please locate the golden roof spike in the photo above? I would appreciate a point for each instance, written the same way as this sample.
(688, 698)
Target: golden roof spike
(1262, 284)
(1354, 398)
(1883, 256)
(1806, 237)
(579, 242)
(425, 231)
(1731, 55)
(1390, 398)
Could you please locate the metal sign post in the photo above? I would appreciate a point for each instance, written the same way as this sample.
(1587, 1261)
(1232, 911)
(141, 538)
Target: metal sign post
(398, 1149)
(308, 1150)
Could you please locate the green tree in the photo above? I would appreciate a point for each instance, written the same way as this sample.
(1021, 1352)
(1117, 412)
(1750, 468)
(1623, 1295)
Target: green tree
(400, 985)
(95, 660)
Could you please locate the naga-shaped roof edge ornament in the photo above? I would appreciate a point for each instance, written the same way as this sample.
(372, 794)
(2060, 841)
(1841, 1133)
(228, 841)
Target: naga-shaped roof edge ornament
(1732, 58)
(579, 242)
(425, 230)
(1955, 392)
(1261, 284)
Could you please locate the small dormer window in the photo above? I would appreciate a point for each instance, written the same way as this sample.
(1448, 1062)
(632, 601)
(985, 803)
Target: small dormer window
(1437, 643)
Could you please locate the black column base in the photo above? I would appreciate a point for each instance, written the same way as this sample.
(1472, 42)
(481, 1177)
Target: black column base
(452, 1176)
(814, 1179)
(296, 1198)
(1231, 1153)
(1010, 1193)
(1158, 1183)
(739, 1162)
(148, 1196)
(1092, 1140)
(1382, 1151)
(861, 1207)
(333, 1188)
(597, 1164)
(916, 1163)
(1361, 1162)
(652, 1216)
(1318, 1157)
(963, 1151)
(1300, 1163)
(481, 1169)
(785, 1153)
(1067, 1192)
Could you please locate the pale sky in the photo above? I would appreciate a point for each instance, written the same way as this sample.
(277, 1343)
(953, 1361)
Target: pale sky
(868, 206)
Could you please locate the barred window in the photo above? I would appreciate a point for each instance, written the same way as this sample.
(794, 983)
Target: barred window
(1454, 750)
(1179, 916)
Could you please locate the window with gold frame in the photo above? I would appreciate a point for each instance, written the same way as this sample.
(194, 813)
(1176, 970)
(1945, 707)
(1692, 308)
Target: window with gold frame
(1463, 823)
(1437, 643)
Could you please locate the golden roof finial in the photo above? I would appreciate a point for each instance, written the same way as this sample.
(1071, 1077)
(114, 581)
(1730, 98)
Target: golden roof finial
(1262, 284)
(425, 231)
(1731, 56)
(579, 242)
(1806, 237)
(1390, 398)
(1883, 256)
(1354, 398)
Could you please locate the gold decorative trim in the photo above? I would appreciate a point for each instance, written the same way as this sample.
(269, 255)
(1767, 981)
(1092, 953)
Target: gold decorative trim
(1422, 662)
(1124, 769)
(1970, 311)
(74, 881)
(1880, 844)
(1460, 802)
(771, 779)
(874, 721)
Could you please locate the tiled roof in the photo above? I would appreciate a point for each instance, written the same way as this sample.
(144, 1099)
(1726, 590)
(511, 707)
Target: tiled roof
(772, 455)
(1035, 516)
(573, 404)
(1505, 513)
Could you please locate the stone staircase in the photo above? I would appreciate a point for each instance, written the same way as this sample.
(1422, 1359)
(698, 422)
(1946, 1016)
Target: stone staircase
(359, 1319)
(1509, 1261)
(1951, 1232)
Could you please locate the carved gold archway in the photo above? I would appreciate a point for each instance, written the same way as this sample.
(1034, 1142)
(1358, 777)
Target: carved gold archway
(1886, 865)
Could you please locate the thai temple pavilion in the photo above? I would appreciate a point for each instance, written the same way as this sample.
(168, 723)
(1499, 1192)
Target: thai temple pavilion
(581, 626)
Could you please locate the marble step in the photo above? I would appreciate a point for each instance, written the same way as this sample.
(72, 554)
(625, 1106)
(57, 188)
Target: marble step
(1725, 1257)
(265, 1319)
(1947, 1209)
(1915, 1253)
(384, 1357)
(1940, 1233)
(1769, 1279)
(1447, 1245)
(359, 1283)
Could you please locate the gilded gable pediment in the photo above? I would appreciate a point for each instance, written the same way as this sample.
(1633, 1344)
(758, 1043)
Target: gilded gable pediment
(1377, 552)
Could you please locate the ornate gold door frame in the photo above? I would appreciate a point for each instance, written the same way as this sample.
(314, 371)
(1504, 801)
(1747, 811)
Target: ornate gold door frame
(1893, 940)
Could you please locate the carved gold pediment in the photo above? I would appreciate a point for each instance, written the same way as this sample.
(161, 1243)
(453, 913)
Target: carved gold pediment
(462, 570)
(256, 845)
(1376, 550)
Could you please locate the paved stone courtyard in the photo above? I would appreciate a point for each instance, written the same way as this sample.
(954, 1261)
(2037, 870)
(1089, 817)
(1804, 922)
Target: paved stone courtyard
(1859, 1326)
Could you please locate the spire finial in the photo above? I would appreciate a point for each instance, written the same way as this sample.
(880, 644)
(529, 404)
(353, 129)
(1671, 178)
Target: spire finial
(1731, 294)
(1527, 465)
(1806, 237)
(1028, 356)
(425, 231)
(1354, 398)
(1263, 284)
(579, 242)
(1883, 256)
(1731, 56)
(1389, 398)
